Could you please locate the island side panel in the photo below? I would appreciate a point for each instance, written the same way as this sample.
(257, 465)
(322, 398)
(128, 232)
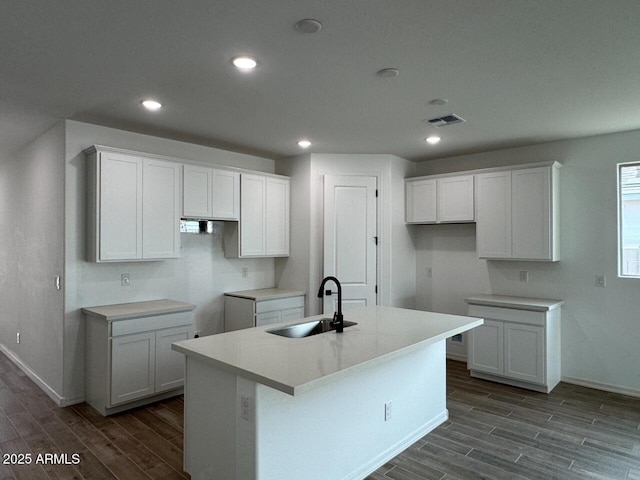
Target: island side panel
(339, 431)
(210, 422)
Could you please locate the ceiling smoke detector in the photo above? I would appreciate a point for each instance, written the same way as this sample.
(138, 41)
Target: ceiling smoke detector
(450, 119)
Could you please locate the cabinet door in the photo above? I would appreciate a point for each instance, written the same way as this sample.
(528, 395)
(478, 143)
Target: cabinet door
(132, 367)
(120, 217)
(524, 352)
(169, 363)
(160, 209)
(493, 209)
(225, 195)
(455, 199)
(268, 318)
(197, 187)
(486, 348)
(277, 217)
(531, 214)
(252, 216)
(420, 201)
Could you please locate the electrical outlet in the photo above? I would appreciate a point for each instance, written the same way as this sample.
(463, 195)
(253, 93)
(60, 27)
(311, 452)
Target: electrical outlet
(125, 279)
(17, 337)
(387, 411)
(601, 280)
(524, 276)
(245, 272)
(429, 272)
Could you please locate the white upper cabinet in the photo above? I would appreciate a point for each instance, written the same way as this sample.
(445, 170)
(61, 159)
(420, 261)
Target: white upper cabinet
(160, 209)
(197, 190)
(493, 207)
(447, 199)
(210, 193)
(134, 206)
(263, 229)
(517, 214)
(420, 201)
(455, 199)
(277, 216)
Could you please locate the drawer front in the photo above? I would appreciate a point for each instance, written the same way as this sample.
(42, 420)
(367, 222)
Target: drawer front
(508, 314)
(145, 324)
(279, 304)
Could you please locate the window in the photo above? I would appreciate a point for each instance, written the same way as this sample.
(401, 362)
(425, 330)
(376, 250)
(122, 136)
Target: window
(629, 219)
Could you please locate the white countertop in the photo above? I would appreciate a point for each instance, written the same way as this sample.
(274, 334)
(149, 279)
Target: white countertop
(266, 294)
(123, 311)
(518, 303)
(296, 365)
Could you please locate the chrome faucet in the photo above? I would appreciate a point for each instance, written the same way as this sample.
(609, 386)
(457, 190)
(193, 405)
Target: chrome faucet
(338, 319)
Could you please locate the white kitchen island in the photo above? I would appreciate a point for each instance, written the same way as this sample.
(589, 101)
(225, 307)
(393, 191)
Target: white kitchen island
(259, 406)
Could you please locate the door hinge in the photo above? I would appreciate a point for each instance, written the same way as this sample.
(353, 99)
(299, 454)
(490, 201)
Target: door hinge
(376, 193)
(375, 239)
(376, 289)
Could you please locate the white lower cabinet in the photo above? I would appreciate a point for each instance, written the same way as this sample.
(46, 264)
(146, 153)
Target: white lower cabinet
(129, 361)
(255, 308)
(519, 342)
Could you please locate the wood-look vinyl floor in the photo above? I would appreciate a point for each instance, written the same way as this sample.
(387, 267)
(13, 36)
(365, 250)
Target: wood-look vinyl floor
(494, 432)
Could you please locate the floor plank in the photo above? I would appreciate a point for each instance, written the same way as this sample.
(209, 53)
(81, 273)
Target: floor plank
(494, 431)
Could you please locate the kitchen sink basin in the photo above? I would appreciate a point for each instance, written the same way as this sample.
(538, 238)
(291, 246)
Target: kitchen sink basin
(307, 329)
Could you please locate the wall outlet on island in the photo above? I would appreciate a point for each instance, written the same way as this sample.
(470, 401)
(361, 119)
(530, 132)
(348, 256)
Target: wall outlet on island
(245, 272)
(524, 276)
(387, 411)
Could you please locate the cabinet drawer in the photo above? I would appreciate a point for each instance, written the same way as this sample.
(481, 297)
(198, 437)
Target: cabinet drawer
(508, 314)
(279, 304)
(145, 324)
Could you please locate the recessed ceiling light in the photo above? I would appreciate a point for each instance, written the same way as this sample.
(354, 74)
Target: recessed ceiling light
(304, 143)
(152, 105)
(244, 63)
(433, 140)
(388, 72)
(308, 25)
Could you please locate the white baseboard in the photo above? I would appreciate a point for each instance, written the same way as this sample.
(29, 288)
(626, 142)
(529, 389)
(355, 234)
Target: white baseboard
(601, 386)
(46, 388)
(401, 446)
(457, 358)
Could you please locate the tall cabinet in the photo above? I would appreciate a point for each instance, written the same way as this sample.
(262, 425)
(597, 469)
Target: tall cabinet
(263, 229)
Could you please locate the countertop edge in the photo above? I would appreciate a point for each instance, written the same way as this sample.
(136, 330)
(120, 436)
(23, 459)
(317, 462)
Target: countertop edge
(516, 303)
(294, 390)
(270, 296)
(167, 306)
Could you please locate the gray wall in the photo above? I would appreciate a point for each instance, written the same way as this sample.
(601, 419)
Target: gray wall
(600, 326)
(31, 254)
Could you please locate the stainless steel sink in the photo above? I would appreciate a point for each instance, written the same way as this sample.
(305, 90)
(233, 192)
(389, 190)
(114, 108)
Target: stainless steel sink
(307, 329)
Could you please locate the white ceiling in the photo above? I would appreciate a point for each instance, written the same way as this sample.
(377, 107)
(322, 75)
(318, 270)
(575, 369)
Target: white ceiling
(519, 71)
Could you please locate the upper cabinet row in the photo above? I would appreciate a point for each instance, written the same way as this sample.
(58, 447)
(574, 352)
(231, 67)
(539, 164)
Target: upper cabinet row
(439, 200)
(136, 202)
(516, 210)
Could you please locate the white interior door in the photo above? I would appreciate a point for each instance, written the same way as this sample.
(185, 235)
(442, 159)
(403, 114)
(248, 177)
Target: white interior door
(350, 229)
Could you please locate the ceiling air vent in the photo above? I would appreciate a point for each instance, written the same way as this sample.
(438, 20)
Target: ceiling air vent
(449, 119)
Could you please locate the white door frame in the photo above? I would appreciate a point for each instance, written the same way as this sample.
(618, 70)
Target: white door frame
(379, 230)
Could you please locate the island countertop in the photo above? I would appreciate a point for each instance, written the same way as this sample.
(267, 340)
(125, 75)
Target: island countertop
(296, 365)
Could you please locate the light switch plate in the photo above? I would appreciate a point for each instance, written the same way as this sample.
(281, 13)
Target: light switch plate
(601, 280)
